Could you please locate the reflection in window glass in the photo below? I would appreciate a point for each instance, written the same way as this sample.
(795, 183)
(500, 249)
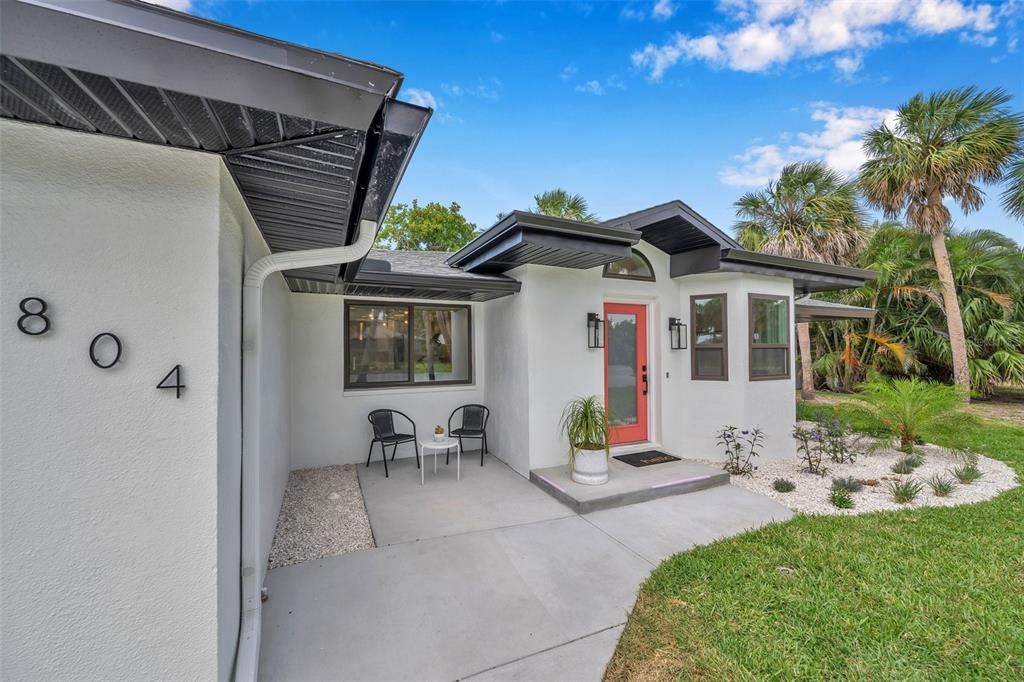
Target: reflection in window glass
(769, 337)
(635, 266)
(708, 353)
(377, 344)
(441, 349)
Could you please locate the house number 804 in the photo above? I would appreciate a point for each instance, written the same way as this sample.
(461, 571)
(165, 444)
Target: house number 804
(35, 322)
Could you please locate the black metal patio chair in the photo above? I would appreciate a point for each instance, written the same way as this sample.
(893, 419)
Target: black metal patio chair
(383, 423)
(474, 425)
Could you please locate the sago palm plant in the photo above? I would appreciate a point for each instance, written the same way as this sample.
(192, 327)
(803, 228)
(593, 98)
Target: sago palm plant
(908, 405)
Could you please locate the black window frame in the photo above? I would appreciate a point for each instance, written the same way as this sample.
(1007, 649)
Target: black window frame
(410, 382)
(724, 345)
(752, 346)
(637, 278)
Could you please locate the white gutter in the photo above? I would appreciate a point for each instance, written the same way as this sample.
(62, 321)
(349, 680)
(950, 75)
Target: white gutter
(248, 653)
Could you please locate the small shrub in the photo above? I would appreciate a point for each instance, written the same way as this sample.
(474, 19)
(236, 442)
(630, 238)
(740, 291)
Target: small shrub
(902, 466)
(940, 485)
(906, 491)
(966, 473)
(783, 485)
(965, 455)
(740, 448)
(913, 459)
(848, 483)
(812, 454)
(841, 498)
(908, 405)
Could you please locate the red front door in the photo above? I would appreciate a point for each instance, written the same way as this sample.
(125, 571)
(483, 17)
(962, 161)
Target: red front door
(625, 371)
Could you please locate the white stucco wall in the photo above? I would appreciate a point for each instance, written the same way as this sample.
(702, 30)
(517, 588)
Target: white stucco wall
(543, 330)
(328, 423)
(119, 502)
(109, 485)
(706, 406)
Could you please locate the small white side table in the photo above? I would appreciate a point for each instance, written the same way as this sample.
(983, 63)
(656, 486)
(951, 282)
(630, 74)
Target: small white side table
(436, 446)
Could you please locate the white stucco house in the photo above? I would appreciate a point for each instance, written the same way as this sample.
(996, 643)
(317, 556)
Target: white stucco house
(191, 309)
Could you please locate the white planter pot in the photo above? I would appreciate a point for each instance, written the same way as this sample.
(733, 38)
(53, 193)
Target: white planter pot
(590, 467)
(439, 437)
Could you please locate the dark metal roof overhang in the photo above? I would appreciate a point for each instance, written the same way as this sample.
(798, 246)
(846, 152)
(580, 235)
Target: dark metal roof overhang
(674, 227)
(404, 285)
(808, 276)
(817, 310)
(522, 238)
(314, 140)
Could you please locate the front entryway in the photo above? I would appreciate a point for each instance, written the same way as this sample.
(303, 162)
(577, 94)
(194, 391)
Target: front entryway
(625, 372)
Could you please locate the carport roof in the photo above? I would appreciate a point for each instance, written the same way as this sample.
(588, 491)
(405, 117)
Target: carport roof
(315, 141)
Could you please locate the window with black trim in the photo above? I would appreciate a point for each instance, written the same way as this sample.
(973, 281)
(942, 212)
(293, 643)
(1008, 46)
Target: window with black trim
(634, 266)
(405, 344)
(769, 337)
(709, 357)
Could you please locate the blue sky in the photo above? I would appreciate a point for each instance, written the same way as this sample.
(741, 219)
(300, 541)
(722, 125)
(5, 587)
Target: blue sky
(633, 104)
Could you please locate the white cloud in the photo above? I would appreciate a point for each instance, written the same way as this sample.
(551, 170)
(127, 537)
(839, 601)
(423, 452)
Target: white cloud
(849, 64)
(419, 97)
(497, 37)
(979, 39)
(591, 88)
(568, 72)
(838, 142)
(180, 5)
(663, 9)
(769, 33)
(487, 89)
(632, 13)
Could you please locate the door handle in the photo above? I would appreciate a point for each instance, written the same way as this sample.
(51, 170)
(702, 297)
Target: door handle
(644, 377)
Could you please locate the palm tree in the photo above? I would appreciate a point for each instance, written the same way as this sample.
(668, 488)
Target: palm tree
(810, 212)
(942, 145)
(562, 204)
(1013, 196)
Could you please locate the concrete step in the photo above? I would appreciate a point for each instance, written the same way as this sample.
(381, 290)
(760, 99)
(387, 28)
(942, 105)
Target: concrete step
(628, 485)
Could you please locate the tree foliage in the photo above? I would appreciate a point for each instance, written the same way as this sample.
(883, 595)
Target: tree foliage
(562, 204)
(431, 227)
(946, 145)
(810, 212)
(908, 333)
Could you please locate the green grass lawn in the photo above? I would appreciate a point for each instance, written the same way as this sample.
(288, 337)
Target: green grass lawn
(922, 594)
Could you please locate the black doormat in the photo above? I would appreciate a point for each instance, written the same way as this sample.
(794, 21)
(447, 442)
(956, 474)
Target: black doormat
(646, 458)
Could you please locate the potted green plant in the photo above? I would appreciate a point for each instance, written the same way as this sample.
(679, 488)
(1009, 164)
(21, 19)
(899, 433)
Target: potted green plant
(585, 424)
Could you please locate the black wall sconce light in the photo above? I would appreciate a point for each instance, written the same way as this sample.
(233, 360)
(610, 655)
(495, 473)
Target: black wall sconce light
(676, 334)
(595, 331)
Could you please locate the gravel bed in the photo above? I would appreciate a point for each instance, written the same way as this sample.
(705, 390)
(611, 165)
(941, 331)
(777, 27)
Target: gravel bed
(322, 515)
(812, 493)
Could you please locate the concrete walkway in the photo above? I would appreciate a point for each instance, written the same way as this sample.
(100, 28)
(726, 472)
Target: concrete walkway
(539, 593)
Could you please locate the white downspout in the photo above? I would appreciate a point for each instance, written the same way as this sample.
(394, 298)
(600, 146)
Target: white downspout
(247, 656)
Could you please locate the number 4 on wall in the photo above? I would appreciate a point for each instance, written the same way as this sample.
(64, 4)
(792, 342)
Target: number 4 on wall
(178, 386)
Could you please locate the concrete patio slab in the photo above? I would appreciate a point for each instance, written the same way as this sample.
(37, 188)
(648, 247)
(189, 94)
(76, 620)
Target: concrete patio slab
(582, 660)
(446, 608)
(491, 496)
(660, 528)
(628, 484)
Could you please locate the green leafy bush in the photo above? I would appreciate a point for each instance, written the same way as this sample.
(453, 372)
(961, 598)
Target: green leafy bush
(848, 483)
(585, 425)
(941, 485)
(783, 485)
(740, 448)
(904, 492)
(841, 498)
(908, 405)
(812, 455)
